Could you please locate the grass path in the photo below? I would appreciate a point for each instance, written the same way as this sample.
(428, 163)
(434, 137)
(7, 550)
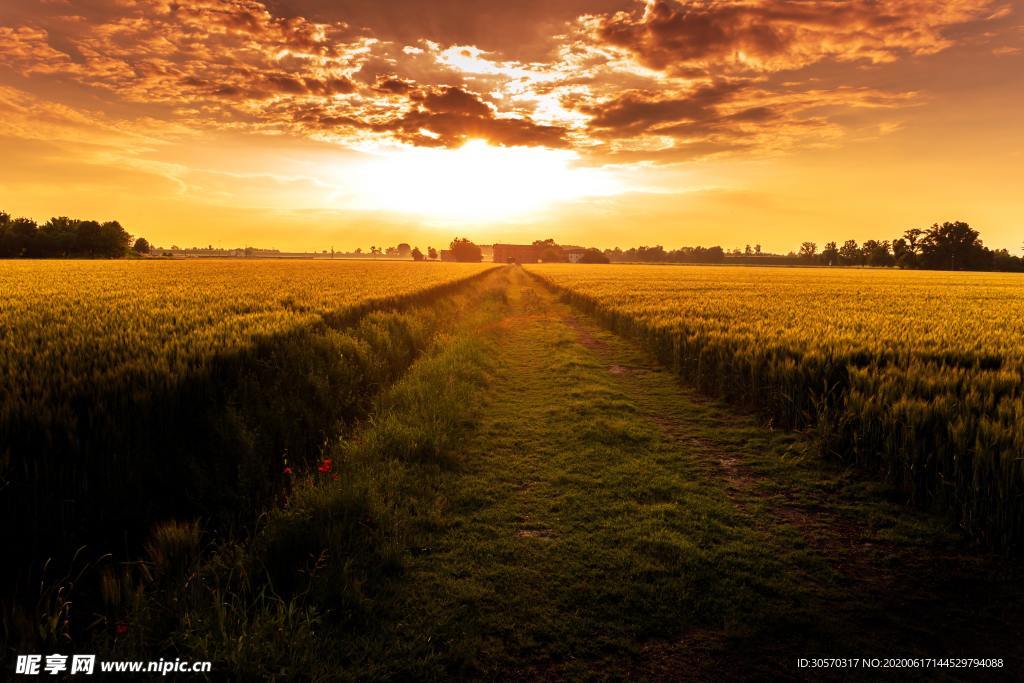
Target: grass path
(604, 522)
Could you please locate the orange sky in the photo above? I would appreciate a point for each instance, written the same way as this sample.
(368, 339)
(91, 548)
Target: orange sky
(307, 124)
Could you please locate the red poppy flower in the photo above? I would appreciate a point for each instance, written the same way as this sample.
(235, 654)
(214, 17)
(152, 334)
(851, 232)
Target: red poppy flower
(288, 471)
(121, 629)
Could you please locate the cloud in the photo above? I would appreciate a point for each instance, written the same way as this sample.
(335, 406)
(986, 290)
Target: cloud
(772, 35)
(453, 101)
(520, 30)
(448, 117)
(659, 80)
(393, 85)
(635, 112)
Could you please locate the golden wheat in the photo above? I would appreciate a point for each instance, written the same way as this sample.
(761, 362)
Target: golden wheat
(135, 391)
(73, 323)
(917, 375)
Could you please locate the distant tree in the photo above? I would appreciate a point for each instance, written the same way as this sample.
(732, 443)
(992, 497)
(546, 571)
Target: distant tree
(416, 254)
(141, 246)
(715, 254)
(850, 253)
(808, 250)
(58, 237)
(696, 255)
(652, 254)
(5, 226)
(1005, 261)
(17, 237)
(552, 255)
(757, 249)
(94, 240)
(830, 254)
(548, 251)
(88, 241)
(902, 255)
(114, 240)
(62, 237)
(913, 238)
(594, 256)
(748, 251)
(876, 253)
(432, 253)
(404, 250)
(954, 246)
(465, 251)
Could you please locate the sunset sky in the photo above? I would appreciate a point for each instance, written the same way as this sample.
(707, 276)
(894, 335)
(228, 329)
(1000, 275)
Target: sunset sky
(307, 124)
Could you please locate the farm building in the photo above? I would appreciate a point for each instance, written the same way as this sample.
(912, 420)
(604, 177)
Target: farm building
(573, 254)
(516, 253)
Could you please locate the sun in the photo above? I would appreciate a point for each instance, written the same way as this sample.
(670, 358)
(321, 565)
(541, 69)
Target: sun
(475, 182)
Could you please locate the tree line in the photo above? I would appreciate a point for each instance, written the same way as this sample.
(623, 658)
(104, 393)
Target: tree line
(63, 237)
(949, 246)
(658, 254)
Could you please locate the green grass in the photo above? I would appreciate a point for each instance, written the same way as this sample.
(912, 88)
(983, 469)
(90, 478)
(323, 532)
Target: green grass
(590, 531)
(913, 377)
(272, 604)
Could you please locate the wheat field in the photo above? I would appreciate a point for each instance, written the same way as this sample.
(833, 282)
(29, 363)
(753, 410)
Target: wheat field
(916, 375)
(127, 383)
(70, 324)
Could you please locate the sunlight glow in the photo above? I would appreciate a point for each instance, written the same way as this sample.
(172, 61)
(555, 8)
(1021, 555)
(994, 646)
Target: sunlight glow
(474, 182)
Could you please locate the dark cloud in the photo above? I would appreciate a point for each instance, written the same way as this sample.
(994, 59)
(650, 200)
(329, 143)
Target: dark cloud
(448, 117)
(669, 34)
(720, 74)
(756, 115)
(453, 130)
(393, 85)
(635, 112)
(329, 86)
(778, 34)
(453, 101)
(442, 117)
